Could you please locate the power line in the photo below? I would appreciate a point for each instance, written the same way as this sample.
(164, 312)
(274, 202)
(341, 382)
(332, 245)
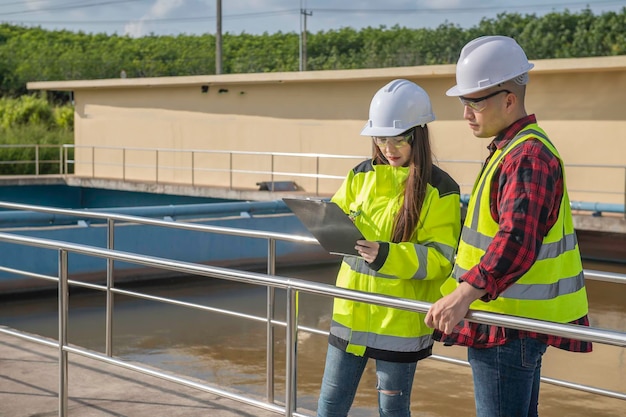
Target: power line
(473, 9)
(255, 15)
(70, 6)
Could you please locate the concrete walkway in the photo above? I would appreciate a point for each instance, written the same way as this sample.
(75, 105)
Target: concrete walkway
(29, 381)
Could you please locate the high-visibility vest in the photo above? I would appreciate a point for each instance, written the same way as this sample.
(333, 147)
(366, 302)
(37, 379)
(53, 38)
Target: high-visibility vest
(553, 288)
(372, 194)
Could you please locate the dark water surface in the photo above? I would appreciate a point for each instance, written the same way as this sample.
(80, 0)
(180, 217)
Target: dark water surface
(230, 351)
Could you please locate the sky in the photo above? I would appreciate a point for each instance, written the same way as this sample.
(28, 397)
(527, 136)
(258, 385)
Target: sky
(139, 18)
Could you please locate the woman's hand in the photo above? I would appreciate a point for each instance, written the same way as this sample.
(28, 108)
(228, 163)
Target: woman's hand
(367, 249)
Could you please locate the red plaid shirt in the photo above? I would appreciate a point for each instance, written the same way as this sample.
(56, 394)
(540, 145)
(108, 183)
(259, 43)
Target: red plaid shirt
(525, 198)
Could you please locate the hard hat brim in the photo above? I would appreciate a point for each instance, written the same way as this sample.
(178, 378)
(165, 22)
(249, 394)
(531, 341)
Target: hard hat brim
(381, 131)
(456, 91)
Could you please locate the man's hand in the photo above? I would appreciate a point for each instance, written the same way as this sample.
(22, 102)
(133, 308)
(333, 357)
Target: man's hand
(451, 309)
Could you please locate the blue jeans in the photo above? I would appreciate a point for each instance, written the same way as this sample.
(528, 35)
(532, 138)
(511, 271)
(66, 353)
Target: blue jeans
(506, 378)
(341, 378)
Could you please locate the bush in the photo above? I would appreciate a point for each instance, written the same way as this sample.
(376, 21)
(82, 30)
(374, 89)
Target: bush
(64, 117)
(31, 129)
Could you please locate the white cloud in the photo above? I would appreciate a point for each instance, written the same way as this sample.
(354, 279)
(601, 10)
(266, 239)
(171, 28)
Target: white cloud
(37, 4)
(161, 9)
(439, 4)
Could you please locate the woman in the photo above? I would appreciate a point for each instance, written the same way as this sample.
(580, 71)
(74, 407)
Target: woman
(409, 212)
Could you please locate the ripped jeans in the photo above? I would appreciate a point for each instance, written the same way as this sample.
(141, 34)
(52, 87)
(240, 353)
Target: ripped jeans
(342, 374)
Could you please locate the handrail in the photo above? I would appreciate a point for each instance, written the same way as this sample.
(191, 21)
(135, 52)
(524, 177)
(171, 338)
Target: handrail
(65, 162)
(110, 218)
(293, 287)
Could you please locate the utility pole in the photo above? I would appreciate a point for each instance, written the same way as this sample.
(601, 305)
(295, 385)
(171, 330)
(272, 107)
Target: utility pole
(303, 15)
(218, 37)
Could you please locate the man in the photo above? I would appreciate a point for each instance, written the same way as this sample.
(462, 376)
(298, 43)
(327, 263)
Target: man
(518, 252)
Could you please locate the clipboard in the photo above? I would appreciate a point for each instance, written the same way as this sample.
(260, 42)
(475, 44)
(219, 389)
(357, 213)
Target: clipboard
(327, 222)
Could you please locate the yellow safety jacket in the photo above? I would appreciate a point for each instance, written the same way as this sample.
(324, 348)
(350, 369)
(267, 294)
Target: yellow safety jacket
(553, 288)
(372, 195)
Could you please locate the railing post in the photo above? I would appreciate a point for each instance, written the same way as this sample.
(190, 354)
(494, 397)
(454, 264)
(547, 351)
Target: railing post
(291, 351)
(271, 270)
(124, 164)
(193, 169)
(61, 160)
(109, 295)
(93, 162)
(230, 169)
(317, 175)
(156, 166)
(36, 159)
(63, 314)
(625, 192)
(272, 171)
(65, 162)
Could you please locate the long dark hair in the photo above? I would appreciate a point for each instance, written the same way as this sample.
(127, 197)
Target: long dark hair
(420, 168)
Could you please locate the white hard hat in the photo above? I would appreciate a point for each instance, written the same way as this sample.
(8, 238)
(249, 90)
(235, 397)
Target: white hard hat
(397, 107)
(489, 61)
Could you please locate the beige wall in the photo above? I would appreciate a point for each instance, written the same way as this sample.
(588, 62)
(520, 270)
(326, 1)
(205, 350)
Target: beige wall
(579, 102)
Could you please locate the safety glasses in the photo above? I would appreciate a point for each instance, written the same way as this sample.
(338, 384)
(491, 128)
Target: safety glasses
(479, 104)
(396, 141)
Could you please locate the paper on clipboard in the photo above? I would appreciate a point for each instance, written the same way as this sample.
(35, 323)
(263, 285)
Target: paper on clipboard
(327, 222)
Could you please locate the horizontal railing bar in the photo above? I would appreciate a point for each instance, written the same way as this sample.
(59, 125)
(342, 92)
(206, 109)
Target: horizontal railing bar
(295, 154)
(234, 171)
(585, 388)
(612, 166)
(26, 336)
(155, 222)
(28, 274)
(591, 334)
(212, 309)
(188, 304)
(552, 381)
(85, 285)
(328, 156)
(35, 145)
(217, 151)
(605, 276)
(172, 378)
(29, 161)
(288, 174)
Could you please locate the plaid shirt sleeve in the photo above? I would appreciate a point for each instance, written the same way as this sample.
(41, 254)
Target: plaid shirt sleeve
(524, 200)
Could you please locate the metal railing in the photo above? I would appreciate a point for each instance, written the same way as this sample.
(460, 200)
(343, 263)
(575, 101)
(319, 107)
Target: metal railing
(293, 287)
(322, 171)
(40, 157)
(151, 160)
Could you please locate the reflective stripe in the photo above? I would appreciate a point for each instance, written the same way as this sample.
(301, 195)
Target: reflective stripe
(457, 271)
(475, 239)
(519, 291)
(446, 250)
(422, 261)
(547, 250)
(382, 342)
(360, 266)
(563, 286)
(554, 249)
